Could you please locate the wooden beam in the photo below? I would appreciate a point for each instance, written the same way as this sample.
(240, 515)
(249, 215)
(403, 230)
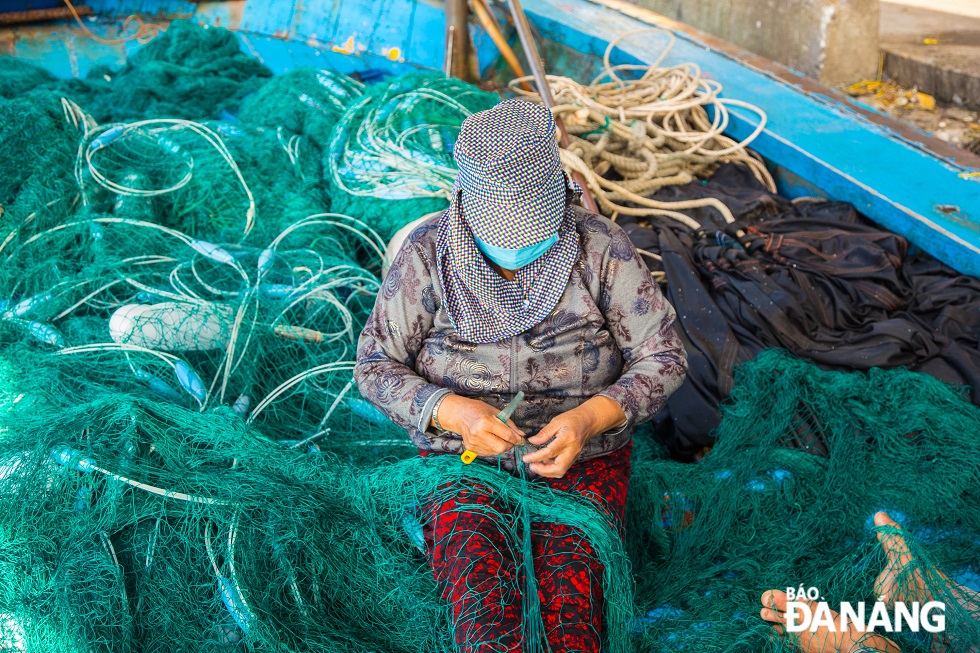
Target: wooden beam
(458, 45)
(38, 15)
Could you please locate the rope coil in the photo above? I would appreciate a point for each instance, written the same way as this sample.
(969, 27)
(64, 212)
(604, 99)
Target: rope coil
(664, 128)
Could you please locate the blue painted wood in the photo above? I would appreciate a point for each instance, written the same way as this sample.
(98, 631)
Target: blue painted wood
(66, 52)
(282, 56)
(402, 30)
(900, 186)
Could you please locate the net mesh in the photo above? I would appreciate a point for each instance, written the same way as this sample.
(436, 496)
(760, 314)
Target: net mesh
(390, 159)
(185, 462)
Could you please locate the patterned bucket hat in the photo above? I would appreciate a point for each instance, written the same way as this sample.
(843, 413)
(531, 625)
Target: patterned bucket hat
(512, 187)
(512, 193)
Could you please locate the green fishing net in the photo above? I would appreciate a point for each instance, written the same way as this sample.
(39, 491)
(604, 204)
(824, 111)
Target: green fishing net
(17, 77)
(304, 102)
(189, 71)
(390, 159)
(186, 464)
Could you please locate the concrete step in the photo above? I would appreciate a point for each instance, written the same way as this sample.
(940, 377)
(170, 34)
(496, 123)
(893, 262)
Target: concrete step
(948, 69)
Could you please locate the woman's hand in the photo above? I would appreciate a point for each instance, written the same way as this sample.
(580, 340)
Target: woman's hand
(477, 422)
(569, 432)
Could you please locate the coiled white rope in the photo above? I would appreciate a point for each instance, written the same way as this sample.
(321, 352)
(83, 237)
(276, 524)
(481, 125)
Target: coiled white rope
(649, 132)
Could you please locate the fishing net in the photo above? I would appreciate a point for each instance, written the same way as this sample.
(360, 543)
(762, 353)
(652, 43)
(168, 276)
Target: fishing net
(190, 71)
(804, 459)
(390, 159)
(140, 523)
(17, 77)
(304, 102)
(186, 463)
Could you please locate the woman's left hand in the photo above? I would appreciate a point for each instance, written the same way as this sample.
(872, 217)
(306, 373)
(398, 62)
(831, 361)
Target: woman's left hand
(570, 430)
(568, 433)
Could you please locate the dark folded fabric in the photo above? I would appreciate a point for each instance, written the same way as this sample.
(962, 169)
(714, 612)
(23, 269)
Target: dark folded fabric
(815, 279)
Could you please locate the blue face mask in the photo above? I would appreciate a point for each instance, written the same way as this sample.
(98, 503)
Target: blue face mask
(515, 259)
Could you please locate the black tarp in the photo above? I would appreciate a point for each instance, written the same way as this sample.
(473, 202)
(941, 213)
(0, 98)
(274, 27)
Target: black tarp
(814, 278)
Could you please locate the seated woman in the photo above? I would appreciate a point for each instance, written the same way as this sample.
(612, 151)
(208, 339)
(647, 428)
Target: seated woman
(888, 586)
(515, 288)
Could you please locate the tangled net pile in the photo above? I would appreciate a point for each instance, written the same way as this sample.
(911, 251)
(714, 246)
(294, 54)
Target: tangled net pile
(186, 464)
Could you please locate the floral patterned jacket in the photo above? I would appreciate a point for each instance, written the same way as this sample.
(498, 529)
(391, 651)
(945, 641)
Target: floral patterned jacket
(610, 334)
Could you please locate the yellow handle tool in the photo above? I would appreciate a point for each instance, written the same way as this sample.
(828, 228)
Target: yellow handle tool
(505, 414)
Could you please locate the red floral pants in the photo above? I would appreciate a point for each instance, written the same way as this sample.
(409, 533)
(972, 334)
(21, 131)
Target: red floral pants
(477, 568)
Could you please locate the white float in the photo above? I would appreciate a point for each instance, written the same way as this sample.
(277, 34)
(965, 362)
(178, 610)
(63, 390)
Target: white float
(173, 326)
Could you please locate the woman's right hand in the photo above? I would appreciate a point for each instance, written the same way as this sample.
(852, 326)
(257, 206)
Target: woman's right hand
(477, 422)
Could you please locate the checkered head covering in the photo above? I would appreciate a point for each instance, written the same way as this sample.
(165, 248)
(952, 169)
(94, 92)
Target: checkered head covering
(511, 192)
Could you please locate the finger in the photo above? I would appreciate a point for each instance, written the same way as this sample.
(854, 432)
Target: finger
(772, 616)
(550, 452)
(555, 468)
(503, 432)
(549, 469)
(490, 442)
(775, 599)
(884, 519)
(896, 550)
(545, 434)
(488, 446)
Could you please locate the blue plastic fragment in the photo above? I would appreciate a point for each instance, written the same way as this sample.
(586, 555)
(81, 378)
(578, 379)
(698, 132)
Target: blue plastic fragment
(212, 251)
(780, 475)
(241, 405)
(227, 116)
(84, 495)
(190, 381)
(106, 137)
(46, 333)
(637, 625)
(68, 457)
(755, 485)
(236, 607)
(665, 612)
(266, 259)
(412, 528)
(677, 511)
(158, 385)
(723, 474)
(367, 411)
